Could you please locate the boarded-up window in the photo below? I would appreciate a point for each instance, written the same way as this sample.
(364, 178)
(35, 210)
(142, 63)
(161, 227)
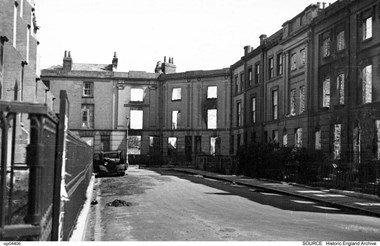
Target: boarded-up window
(337, 141)
(326, 93)
(293, 102)
(302, 99)
(105, 142)
(367, 84)
(298, 137)
(318, 144)
(340, 88)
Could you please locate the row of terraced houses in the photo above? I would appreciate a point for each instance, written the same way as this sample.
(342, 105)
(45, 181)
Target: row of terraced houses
(315, 83)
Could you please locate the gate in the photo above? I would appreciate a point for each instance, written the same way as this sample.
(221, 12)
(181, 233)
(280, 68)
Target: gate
(34, 146)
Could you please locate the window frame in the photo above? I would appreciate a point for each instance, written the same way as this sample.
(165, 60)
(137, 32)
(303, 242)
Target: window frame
(326, 97)
(366, 32)
(238, 114)
(274, 101)
(90, 89)
(271, 67)
(340, 87)
(293, 103)
(253, 109)
(90, 116)
(176, 96)
(367, 86)
(326, 47)
(302, 103)
(280, 67)
(257, 73)
(340, 41)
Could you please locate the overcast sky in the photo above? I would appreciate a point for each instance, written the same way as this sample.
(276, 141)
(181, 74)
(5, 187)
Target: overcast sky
(198, 34)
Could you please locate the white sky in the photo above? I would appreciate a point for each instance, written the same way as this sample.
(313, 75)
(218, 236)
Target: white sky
(198, 34)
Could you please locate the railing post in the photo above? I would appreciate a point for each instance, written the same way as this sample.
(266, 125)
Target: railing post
(4, 152)
(34, 155)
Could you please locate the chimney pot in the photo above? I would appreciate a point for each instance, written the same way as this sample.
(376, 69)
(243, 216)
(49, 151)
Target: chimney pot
(262, 38)
(247, 49)
(164, 58)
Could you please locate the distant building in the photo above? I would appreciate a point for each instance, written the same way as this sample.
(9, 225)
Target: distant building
(170, 115)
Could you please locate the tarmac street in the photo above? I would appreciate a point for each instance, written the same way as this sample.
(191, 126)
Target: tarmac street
(165, 205)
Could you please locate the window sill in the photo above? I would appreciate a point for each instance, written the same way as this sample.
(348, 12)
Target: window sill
(176, 100)
(367, 40)
(87, 96)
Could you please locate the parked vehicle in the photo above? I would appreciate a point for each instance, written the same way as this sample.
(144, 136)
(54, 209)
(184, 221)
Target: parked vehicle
(110, 163)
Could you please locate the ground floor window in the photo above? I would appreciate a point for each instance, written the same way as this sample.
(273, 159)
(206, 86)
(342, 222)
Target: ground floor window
(172, 146)
(317, 134)
(215, 146)
(105, 141)
(377, 139)
(298, 137)
(134, 145)
(337, 141)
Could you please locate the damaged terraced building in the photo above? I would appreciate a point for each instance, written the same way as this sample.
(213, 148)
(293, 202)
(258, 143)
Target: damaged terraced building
(314, 83)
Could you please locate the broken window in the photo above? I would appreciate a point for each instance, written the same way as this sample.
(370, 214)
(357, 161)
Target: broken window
(134, 145)
(340, 88)
(275, 104)
(326, 47)
(154, 144)
(367, 28)
(176, 116)
(275, 136)
(211, 92)
(238, 114)
(198, 144)
(337, 141)
(172, 145)
(136, 119)
(137, 94)
(285, 138)
(303, 57)
(317, 135)
(253, 107)
(215, 146)
(88, 115)
(211, 119)
(293, 102)
(302, 99)
(293, 62)
(298, 137)
(176, 94)
(340, 42)
(367, 84)
(326, 93)
(88, 89)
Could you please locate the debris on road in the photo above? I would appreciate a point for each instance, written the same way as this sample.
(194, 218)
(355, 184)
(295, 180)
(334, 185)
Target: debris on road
(94, 202)
(119, 203)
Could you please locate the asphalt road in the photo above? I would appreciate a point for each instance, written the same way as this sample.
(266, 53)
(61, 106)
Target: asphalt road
(172, 206)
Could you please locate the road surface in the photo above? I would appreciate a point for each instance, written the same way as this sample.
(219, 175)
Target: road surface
(173, 206)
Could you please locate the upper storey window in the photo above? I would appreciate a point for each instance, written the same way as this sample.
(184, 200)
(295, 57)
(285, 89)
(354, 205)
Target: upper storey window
(367, 84)
(211, 92)
(367, 28)
(303, 57)
(326, 47)
(279, 64)
(137, 94)
(176, 94)
(88, 89)
(293, 62)
(340, 42)
(271, 68)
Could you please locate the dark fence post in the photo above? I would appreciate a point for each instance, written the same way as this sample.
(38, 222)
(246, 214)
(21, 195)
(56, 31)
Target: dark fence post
(63, 112)
(4, 126)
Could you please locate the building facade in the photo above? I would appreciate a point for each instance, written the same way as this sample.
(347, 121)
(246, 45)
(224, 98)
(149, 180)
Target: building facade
(311, 84)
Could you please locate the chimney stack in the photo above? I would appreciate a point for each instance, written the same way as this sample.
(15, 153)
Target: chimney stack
(114, 62)
(67, 62)
(168, 67)
(262, 37)
(247, 49)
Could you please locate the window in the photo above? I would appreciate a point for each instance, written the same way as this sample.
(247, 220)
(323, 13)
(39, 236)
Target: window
(279, 64)
(293, 102)
(198, 144)
(21, 7)
(176, 94)
(356, 133)
(250, 76)
(293, 62)
(275, 104)
(136, 119)
(253, 137)
(215, 146)
(337, 141)
(340, 42)
(137, 94)
(253, 107)
(211, 119)
(340, 88)
(275, 136)
(326, 93)
(317, 135)
(238, 114)
(105, 142)
(367, 84)
(88, 89)
(271, 68)
(303, 57)
(326, 47)
(1, 55)
(367, 28)
(212, 92)
(298, 137)
(302, 99)
(257, 73)
(27, 43)
(285, 138)
(88, 115)
(236, 84)
(176, 117)
(15, 25)
(377, 139)
(172, 145)
(241, 82)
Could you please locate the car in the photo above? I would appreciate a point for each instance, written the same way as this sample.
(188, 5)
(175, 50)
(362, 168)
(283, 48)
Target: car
(110, 163)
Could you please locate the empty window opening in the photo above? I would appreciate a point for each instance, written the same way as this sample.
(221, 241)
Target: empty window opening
(340, 88)
(172, 146)
(215, 146)
(317, 135)
(298, 137)
(293, 102)
(340, 42)
(367, 84)
(134, 145)
(212, 92)
(137, 94)
(238, 114)
(337, 141)
(367, 28)
(136, 119)
(176, 94)
(326, 93)
(176, 117)
(211, 119)
(302, 99)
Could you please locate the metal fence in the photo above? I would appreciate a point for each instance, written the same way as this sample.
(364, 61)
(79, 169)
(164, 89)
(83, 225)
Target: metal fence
(34, 147)
(218, 164)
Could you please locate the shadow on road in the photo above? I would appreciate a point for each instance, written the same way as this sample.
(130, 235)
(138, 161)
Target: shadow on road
(258, 195)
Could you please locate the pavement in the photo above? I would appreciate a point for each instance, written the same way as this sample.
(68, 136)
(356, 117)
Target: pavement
(362, 203)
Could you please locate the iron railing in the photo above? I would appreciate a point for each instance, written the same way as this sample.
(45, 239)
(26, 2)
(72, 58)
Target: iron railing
(218, 164)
